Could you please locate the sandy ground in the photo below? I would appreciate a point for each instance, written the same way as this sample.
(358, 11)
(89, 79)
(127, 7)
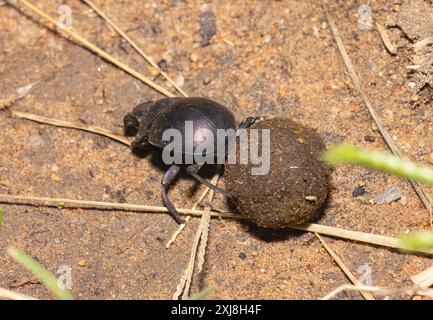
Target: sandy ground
(267, 57)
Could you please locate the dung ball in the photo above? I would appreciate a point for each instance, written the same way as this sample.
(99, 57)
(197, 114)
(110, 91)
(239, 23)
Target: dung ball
(296, 186)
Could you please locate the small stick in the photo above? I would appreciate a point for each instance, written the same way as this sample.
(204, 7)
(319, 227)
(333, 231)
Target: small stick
(72, 125)
(9, 294)
(379, 291)
(88, 45)
(419, 189)
(205, 232)
(423, 279)
(185, 281)
(19, 94)
(183, 225)
(422, 43)
(344, 268)
(86, 204)
(134, 45)
(385, 38)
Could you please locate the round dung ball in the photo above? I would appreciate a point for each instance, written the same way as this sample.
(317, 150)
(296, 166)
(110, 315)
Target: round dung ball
(296, 187)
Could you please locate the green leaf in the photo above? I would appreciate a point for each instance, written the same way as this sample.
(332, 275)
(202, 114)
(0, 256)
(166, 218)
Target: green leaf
(46, 277)
(417, 240)
(203, 293)
(386, 162)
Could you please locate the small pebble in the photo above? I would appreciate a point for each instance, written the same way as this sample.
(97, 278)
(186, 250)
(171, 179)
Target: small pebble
(359, 191)
(369, 138)
(82, 263)
(180, 80)
(267, 38)
(262, 270)
(389, 196)
(208, 27)
(55, 177)
(242, 255)
(162, 64)
(207, 80)
(193, 57)
(311, 198)
(254, 246)
(35, 142)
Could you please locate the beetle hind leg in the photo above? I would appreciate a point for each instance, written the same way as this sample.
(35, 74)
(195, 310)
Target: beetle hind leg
(167, 179)
(193, 171)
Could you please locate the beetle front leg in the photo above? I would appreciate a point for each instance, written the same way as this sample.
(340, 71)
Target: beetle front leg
(167, 179)
(245, 124)
(193, 171)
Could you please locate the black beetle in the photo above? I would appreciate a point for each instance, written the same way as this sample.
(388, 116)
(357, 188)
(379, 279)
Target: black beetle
(149, 120)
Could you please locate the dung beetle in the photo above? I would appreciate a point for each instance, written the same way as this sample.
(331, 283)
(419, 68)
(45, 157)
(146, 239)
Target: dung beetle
(148, 122)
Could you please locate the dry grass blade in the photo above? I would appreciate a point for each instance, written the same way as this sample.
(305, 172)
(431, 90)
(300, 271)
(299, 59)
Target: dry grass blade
(100, 205)
(88, 45)
(379, 291)
(183, 225)
(72, 125)
(348, 287)
(385, 38)
(205, 232)
(203, 227)
(185, 282)
(177, 232)
(19, 94)
(425, 198)
(423, 43)
(384, 241)
(374, 239)
(424, 279)
(344, 268)
(9, 294)
(134, 45)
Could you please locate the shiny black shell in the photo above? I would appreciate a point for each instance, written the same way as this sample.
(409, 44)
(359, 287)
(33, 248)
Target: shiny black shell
(203, 113)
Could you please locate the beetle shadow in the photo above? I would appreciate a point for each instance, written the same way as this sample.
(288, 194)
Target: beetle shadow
(154, 155)
(283, 234)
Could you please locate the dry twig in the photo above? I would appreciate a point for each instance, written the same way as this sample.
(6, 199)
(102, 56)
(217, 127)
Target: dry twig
(424, 279)
(100, 205)
(385, 38)
(379, 291)
(183, 225)
(88, 45)
(72, 125)
(134, 45)
(19, 94)
(185, 281)
(344, 268)
(9, 294)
